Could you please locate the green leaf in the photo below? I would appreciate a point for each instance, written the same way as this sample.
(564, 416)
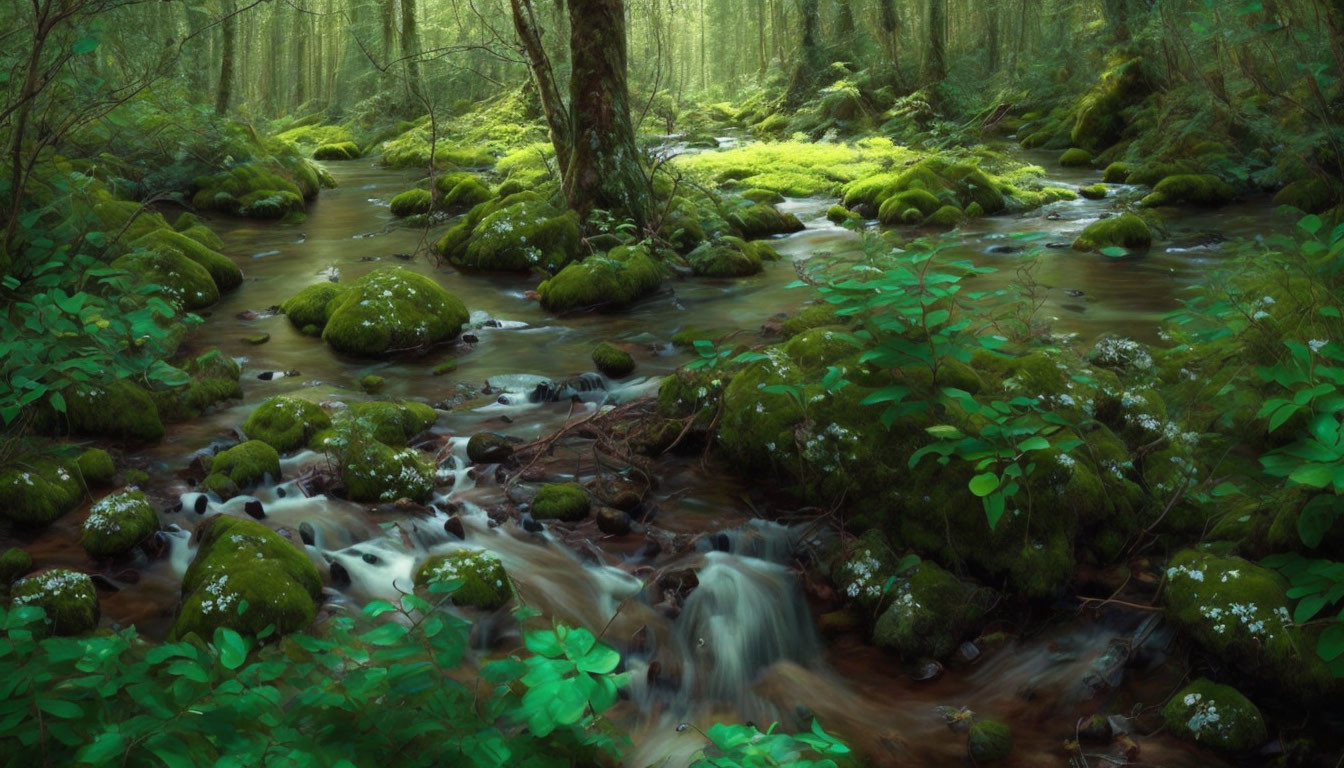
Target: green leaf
(1318, 517)
(984, 484)
(1033, 444)
(65, 710)
(1331, 644)
(232, 648)
(1114, 252)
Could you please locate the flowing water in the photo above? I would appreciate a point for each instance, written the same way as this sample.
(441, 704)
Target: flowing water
(742, 644)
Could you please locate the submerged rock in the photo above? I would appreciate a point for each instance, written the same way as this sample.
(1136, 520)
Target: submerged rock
(613, 522)
(730, 257)
(488, 448)
(613, 361)
(243, 466)
(989, 741)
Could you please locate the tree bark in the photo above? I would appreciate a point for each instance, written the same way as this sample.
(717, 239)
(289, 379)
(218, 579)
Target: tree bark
(543, 76)
(935, 58)
(224, 91)
(410, 48)
(992, 34)
(808, 66)
(604, 168)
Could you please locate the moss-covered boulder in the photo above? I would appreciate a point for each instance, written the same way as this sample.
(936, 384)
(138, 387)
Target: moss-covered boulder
(390, 423)
(14, 562)
(946, 216)
(1190, 189)
(256, 190)
(1093, 191)
(117, 522)
(412, 202)
(342, 150)
(613, 361)
(96, 467)
(1117, 173)
(116, 409)
(520, 237)
(752, 221)
(1308, 195)
(568, 502)
(373, 471)
(613, 280)
(461, 190)
(862, 568)
(247, 464)
(1127, 230)
(226, 275)
(895, 209)
(238, 561)
(1216, 716)
(928, 612)
(840, 215)
(178, 278)
(286, 423)
(488, 448)
(68, 597)
(989, 741)
(1241, 614)
(1100, 118)
(38, 491)
(485, 585)
(730, 257)
(392, 308)
(212, 378)
(307, 310)
(1075, 158)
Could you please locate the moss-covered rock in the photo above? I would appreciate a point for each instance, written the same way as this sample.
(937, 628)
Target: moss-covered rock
(1093, 192)
(1216, 716)
(840, 215)
(946, 216)
(96, 467)
(612, 280)
(286, 423)
(1100, 117)
(1240, 613)
(412, 202)
(613, 361)
(240, 561)
(390, 423)
(1312, 195)
(1075, 158)
(179, 279)
(1117, 173)
(342, 150)
(371, 470)
(893, 209)
(117, 522)
(519, 237)
(256, 190)
(1190, 189)
(758, 220)
(928, 612)
(226, 275)
(392, 308)
(117, 409)
(764, 196)
(212, 378)
(568, 502)
(247, 464)
(1127, 230)
(730, 257)
(861, 570)
(462, 190)
(38, 491)
(14, 562)
(488, 448)
(485, 585)
(989, 741)
(67, 596)
(308, 309)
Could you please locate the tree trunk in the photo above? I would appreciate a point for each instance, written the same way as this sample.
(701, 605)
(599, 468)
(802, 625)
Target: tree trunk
(891, 28)
(992, 35)
(935, 58)
(225, 88)
(808, 66)
(300, 61)
(552, 105)
(604, 169)
(760, 33)
(410, 48)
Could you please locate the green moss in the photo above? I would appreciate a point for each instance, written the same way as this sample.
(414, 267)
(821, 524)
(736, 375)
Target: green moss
(1126, 231)
(412, 202)
(14, 562)
(286, 423)
(613, 361)
(1190, 189)
(465, 192)
(485, 585)
(488, 448)
(947, 216)
(373, 471)
(1312, 195)
(1094, 192)
(96, 467)
(561, 501)
(256, 190)
(118, 409)
(372, 384)
(392, 308)
(239, 561)
(38, 491)
(392, 424)
(615, 279)
(247, 464)
(117, 523)
(67, 596)
(839, 214)
(344, 150)
(309, 307)
(1240, 613)
(1117, 173)
(989, 741)
(798, 168)
(1100, 121)
(759, 220)
(1075, 158)
(892, 210)
(212, 378)
(929, 611)
(202, 235)
(730, 257)
(1217, 716)
(179, 279)
(765, 196)
(226, 275)
(862, 568)
(445, 368)
(519, 237)
(813, 315)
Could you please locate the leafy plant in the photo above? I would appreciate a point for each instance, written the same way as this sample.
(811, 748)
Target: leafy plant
(1316, 585)
(711, 356)
(743, 746)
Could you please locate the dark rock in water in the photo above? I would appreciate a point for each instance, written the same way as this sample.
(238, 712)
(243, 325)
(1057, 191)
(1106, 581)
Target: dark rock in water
(618, 492)
(260, 338)
(306, 533)
(281, 493)
(370, 558)
(255, 509)
(201, 504)
(470, 338)
(104, 584)
(681, 581)
(613, 522)
(155, 546)
(721, 542)
(529, 524)
(927, 671)
(175, 508)
(1076, 308)
(1097, 730)
(1005, 249)
(339, 576)
(968, 653)
(453, 525)
(488, 448)
(1074, 292)
(266, 375)
(1060, 246)
(272, 375)
(989, 741)
(650, 550)
(569, 389)
(492, 523)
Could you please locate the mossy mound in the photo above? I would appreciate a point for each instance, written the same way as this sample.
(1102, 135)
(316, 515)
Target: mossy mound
(1127, 230)
(1117, 173)
(392, 308)
(96, 467)
(613, 361)
(1308, 195)
(929, 612)
(797, 168)
(568, 502)
(1075, 158)
(1240, 613)
(374, 472)
(1094, 192)
(117, 409)
(412, 202)
(862, 568)
(517, 237)
(461, 190)
(240, 561)
(932, 183)
(372, 384)
(1217, 716)
(1190, 189)
(946, 216)
(212, 378)
(343, 150)
(765, 196)
(485, 584)
(1100, 118)
(14, 562)
(226, 275)
(117, 522)
(286, 423)
(393, 424)
(615, 279)
(488, 448)
(247, 464)
(840, 215)
(39, 491)
(989, 741)
(730, 257)
(307, 309)
(67, 596)
(179, 279)
(257, 190)
(758, 220)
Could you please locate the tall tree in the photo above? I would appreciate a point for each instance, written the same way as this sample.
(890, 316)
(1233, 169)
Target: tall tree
(890, 21)
(224, 91)
(410, 48)
(809, 64)
(935, 56)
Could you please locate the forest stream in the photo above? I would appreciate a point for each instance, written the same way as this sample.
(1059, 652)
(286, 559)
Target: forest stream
(745, 643)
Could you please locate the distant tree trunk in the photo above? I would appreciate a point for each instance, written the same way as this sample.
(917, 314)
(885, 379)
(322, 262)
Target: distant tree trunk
(845, 29)
(410, 48)
(230, 32)
(604, 169)
(807, 69)
(704, 47)
(543, 76)
(760, 32)
(300, 61)
(935, 58)
(1116, 13)
(992, 34)
(891, 28)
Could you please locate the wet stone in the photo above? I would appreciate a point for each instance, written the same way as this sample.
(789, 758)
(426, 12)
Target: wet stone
(613, 522)
(254, 509)
(306, 534)
(453, 526)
